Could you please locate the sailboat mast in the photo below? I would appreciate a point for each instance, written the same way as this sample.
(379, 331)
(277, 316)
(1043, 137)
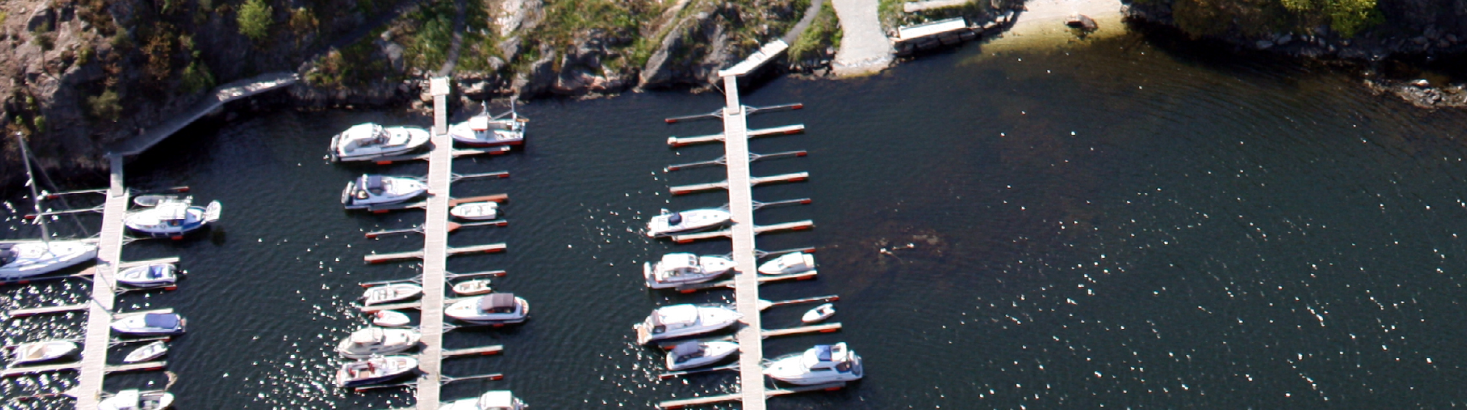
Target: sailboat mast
(35, 196)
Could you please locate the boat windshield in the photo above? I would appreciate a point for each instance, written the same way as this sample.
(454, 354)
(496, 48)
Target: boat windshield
(7, 255)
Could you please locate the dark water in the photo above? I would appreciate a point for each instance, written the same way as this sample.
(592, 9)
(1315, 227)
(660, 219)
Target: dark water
(1106, 224)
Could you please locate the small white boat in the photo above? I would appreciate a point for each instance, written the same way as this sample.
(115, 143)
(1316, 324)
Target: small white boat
(375, 370)
(819, 314)
(150, 324)
(37, 352)
(485, 130)
(819, 364)
(472, 287)
(670, 322)
(789, 263)
(25, 259)
(693, 354)
(172, 217)
(377, 190)
(391, 293)
(137, 400)
(148, 352)
(669, 223)
(152, 200)
(390, 318)
(476, 211)
(149, 276)
(491, 400)
(369, 141)
(676, 269)
(377, 341)
(494, 308)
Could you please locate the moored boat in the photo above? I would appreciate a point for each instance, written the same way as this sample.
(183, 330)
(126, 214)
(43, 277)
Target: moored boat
(819, 364)
(148, 276)
(669, 223)
(376, 190)
(390, 318)
(472, 287)
(491, 400)
(172, 217)
(374, 370)
(476, 211)
(369, 141)
(20, 260)
(676, 269)
(694, 354)
(372, 341)
(147, 352)
(670, 322)
(819, 314)
(150, 324)
(484, 130)
(38, 352)
(494, 308)
(134, 399)
(789, 263)
(391, 293)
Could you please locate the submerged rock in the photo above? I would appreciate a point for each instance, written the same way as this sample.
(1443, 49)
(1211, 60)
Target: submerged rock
(1082, 22)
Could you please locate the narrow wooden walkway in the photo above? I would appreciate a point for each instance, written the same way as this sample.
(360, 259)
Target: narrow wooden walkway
(741, 205)
(222, 94)
(435, 252)
(88, 390)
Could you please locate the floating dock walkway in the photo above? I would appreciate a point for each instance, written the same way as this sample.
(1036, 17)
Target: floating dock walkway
(93, 365)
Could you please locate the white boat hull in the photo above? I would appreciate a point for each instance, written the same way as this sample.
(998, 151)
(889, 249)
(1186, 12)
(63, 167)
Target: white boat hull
(708, 319)
(391, 293)
(713, 352)
(39, 258)
(468, 311)
(134, 400)
(668, 224)
(819, 314)
(147, 352)
(144, 276)
(40, 352)
(375, 370)
(390, 318)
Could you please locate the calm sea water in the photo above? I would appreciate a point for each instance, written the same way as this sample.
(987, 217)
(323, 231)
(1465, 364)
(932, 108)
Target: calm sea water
(1105, 224)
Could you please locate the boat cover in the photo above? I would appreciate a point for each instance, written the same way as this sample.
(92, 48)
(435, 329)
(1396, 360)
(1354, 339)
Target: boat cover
(497, 303)
(6, 255)
(161, 320)
(156, 271)
(687, 349)
(374, 184)
(676, 218)
(675, 314)
(674, 261)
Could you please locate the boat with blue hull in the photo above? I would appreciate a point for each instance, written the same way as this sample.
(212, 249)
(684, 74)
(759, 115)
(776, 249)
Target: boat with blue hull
(172, 218)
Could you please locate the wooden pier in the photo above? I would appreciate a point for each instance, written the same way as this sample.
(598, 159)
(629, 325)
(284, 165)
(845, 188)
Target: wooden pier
(762, 132)
(757, 229)
(746, 290)
(93, 365)
(688, 189)
(473, 351)
(435, 253)
(423, 254)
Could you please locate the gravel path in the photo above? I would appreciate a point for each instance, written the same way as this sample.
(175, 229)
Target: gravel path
(864, 48)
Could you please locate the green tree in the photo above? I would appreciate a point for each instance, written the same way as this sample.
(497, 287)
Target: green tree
(254, 19)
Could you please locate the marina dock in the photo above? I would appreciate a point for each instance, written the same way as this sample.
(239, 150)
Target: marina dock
(93, 365)
(746, 290)
(436, 252)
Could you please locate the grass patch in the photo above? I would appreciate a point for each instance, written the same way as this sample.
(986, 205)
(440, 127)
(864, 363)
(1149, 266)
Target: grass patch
(824, 32)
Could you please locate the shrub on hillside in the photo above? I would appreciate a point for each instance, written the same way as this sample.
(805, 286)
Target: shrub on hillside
(254, 19)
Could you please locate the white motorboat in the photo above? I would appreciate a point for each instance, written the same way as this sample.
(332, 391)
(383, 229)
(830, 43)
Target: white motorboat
(150, 324)
(676, 269)
(377, 190)
(476, 211)
(369, 141)
(819, 314)
(390, 318)
(669, 223)
(137, 400)
(148, 352)
(37, 352)
(669, 322)
(391, 293)
(484, 130)
(375, 370)
(491, 400)
(149, 276)
(693, 354)
(494, 308)
(789, 263)
(377, 341)
(819, 364)
(172, 217)
(472, 287)
(25, 259)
